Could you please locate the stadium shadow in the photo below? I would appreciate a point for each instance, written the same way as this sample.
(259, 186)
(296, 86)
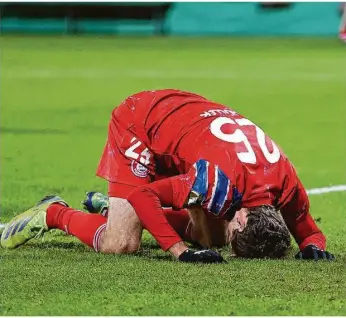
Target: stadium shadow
(25, 131)
(79, 247)
(150, 245)
(55, 237)
(57, 245)
(146, 254)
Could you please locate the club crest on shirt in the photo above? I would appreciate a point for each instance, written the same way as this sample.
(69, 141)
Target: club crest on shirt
(139, 170)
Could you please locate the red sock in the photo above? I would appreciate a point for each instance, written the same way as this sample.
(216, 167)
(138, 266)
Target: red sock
(89, 227)
(85, 226)
(180, 222)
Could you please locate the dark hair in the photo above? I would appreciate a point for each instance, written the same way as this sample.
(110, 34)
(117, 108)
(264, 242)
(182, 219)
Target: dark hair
(264, 236)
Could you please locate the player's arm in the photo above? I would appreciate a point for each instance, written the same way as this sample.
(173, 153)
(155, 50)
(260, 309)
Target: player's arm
(173, 192)
(148, 201)
(311, 241)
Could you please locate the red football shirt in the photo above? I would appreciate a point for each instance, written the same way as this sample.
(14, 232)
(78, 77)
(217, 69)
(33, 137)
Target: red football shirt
(158, 134)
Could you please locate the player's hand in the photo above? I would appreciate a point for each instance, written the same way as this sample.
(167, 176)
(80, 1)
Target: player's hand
(314, 253)
(204, 256)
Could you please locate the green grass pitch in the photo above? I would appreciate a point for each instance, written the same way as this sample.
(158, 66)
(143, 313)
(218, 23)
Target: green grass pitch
(56, 99)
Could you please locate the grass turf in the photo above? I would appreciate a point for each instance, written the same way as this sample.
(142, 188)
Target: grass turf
(56, 99)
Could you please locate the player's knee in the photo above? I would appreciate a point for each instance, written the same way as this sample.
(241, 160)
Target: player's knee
(116, 247)
(124, 230)
(109, 249)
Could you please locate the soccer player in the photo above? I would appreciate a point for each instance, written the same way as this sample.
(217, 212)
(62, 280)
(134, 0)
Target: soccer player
(178, 149)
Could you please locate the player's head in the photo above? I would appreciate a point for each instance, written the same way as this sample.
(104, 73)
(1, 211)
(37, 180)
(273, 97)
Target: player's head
(259, 232)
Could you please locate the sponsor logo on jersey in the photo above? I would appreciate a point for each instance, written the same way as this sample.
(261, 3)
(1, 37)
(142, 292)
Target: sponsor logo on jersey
(139, 170)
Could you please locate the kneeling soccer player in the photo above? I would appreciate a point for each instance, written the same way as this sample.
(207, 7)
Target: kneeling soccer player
(178, 149)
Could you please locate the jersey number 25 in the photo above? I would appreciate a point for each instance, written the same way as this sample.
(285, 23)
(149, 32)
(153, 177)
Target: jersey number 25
(238, 136)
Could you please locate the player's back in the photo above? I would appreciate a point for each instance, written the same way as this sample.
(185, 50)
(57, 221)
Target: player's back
(143, 113)
(160, 118)
(180, 128)
(253, 162)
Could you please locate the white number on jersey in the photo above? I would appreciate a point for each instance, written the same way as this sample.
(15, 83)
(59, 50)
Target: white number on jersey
(238, 136)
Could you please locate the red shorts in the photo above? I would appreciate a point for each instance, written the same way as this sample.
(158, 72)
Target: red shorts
(126, 161)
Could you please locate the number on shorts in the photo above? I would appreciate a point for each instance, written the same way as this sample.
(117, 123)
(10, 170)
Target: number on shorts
(144, 156)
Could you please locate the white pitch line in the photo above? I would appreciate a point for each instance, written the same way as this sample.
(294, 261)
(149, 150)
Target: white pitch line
(336, 188)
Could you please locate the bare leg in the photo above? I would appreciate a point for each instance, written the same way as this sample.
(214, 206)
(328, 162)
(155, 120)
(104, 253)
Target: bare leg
(123, 231)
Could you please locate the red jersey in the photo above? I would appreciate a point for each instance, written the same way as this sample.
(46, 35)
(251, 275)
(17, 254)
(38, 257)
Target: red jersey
(159, 134)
